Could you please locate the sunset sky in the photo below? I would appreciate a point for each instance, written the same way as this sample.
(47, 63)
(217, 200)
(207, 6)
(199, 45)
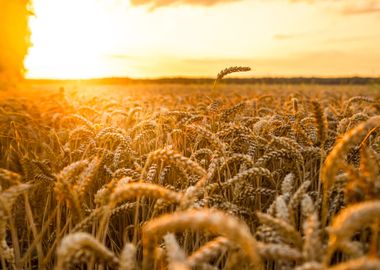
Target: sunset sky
(197, 38)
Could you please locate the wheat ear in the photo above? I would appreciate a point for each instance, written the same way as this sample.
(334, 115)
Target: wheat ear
(310, 266)
(134, 190)
(76, 245)
(282, 228)
(210, 220)
(320, 122)
(312, 247)
(128, 258)
(349, 221)
(227, 71)
(278, 252)
(333, 161)
(7, 199)
(175, 254)
(209, 251)
(332, 164)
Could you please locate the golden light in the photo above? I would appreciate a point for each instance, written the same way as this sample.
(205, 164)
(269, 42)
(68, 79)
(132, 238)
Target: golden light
(71, 39)
(114, 38)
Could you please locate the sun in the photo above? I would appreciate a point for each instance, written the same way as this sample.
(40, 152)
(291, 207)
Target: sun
(71, 39)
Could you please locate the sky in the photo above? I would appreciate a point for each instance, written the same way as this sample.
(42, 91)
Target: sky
(80, 39)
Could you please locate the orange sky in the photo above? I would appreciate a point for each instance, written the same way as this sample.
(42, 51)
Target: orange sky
(164, 38)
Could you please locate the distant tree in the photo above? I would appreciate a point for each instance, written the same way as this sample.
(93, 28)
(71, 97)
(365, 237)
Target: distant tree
(14, 38)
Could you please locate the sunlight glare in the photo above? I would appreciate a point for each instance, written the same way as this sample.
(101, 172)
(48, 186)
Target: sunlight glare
(71, 39)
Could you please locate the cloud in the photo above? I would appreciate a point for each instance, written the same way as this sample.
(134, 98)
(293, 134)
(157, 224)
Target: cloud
(119, 56)
(350, 39)
(348, 7)
(161, 3)
(288, 36)
(299, 35)
(317, 63)
(344, 7)
(363, 7)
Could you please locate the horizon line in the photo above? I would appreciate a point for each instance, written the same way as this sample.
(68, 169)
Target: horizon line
(359, 80)
(202, 78)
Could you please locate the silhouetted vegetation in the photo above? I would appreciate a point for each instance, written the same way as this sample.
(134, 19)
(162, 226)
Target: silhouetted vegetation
(294, 80)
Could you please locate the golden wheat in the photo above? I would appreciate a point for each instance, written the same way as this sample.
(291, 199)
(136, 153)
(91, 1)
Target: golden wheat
(170, 177)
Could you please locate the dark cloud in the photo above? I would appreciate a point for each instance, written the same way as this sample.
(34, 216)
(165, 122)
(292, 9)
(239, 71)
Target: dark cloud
(161, 3)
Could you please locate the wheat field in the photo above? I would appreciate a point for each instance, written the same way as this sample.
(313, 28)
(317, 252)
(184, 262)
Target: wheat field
(191, 177)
